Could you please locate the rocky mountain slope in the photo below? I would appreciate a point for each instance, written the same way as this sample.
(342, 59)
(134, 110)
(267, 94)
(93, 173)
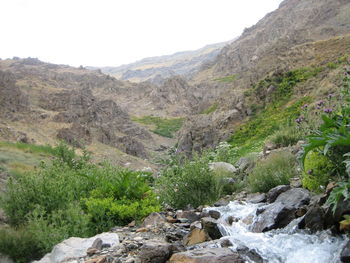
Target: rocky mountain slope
(298, 34)
(156, 69)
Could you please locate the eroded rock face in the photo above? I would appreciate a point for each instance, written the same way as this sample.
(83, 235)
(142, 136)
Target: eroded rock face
(209, 255)
(280, 213)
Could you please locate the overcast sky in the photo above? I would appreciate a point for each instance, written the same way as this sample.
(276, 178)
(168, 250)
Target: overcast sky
(114, 32)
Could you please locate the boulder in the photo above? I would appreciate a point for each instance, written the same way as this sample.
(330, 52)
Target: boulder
(208, 255)
(214, 214)
(345, 253)
(75, 247)
(153, 220)
(313, 219)
(280, 213)
(190, 215)
(222, 167)
(210, 225)
(196, 236)
(156, 252)
(5, 259)
(256, 198)
(272, 195)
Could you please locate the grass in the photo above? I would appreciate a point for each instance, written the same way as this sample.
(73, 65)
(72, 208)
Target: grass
(210, 109)
(226, 79)
(277, 169)
(29, 148)
(20, 157)
(251, 135)
(166, 127)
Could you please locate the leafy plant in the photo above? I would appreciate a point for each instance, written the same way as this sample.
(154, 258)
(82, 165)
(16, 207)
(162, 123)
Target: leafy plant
(188, 182)
(277, 169)
(318, 171)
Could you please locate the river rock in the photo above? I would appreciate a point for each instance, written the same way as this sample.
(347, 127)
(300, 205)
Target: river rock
(75, 247)
(214, 214)
(190, 215)
(208, 255)
(280, 213)
(196, 236)
(272, 195)
(313, 219)
(153, 220)
(156, 252)
(210, 225)
(256, 198)
(345, 253)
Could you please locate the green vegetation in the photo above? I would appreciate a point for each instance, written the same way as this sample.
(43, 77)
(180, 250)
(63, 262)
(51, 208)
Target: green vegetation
(30, 148)
(318, 171)
(163, 126)
(211, 109)
(289, 135)
(332, 140)
(251, 135)
(70, 197)
(281, 85)
(277, 169)
(226, 79)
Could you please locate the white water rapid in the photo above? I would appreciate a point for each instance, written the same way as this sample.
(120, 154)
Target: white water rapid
(287, 245)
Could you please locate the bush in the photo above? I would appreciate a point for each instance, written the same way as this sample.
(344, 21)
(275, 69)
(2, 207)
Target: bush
(19, 244)
(72, 197)
(277, 169)
(286, 137)
(188, 182)
(318, 171)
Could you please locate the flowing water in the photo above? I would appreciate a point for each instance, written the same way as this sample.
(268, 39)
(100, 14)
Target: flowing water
(290, 244)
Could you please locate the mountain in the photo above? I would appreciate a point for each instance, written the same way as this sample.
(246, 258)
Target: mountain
(298, 34)
(156, 69)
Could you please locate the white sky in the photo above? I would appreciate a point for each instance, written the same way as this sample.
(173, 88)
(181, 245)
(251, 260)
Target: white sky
(114, 32)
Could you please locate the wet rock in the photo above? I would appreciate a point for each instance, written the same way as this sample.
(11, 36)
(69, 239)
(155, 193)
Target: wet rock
(333, 219)
(313, 219)
(221, 202)
(226, 243)
(345, 253)
(256, 198)
(251, 254)
(208, 255)
(272, 195)
(156, 252)
(154, 219)
(280, 213)
(214, 214)
(210, 225)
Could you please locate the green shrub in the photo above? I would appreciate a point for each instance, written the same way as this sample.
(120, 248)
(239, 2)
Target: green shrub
(275, 170)
(19, 244)
(287, 136)
(65, 198)
(318, 171)
(188, 182)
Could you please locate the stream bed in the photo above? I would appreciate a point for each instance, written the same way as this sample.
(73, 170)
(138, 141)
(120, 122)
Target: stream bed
(289, 244)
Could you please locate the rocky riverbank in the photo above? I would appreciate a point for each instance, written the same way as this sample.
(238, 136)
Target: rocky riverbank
(284, 225)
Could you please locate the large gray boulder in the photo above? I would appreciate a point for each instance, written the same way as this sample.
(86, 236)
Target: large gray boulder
(222, 167)
(76, 247)
(280, 213)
